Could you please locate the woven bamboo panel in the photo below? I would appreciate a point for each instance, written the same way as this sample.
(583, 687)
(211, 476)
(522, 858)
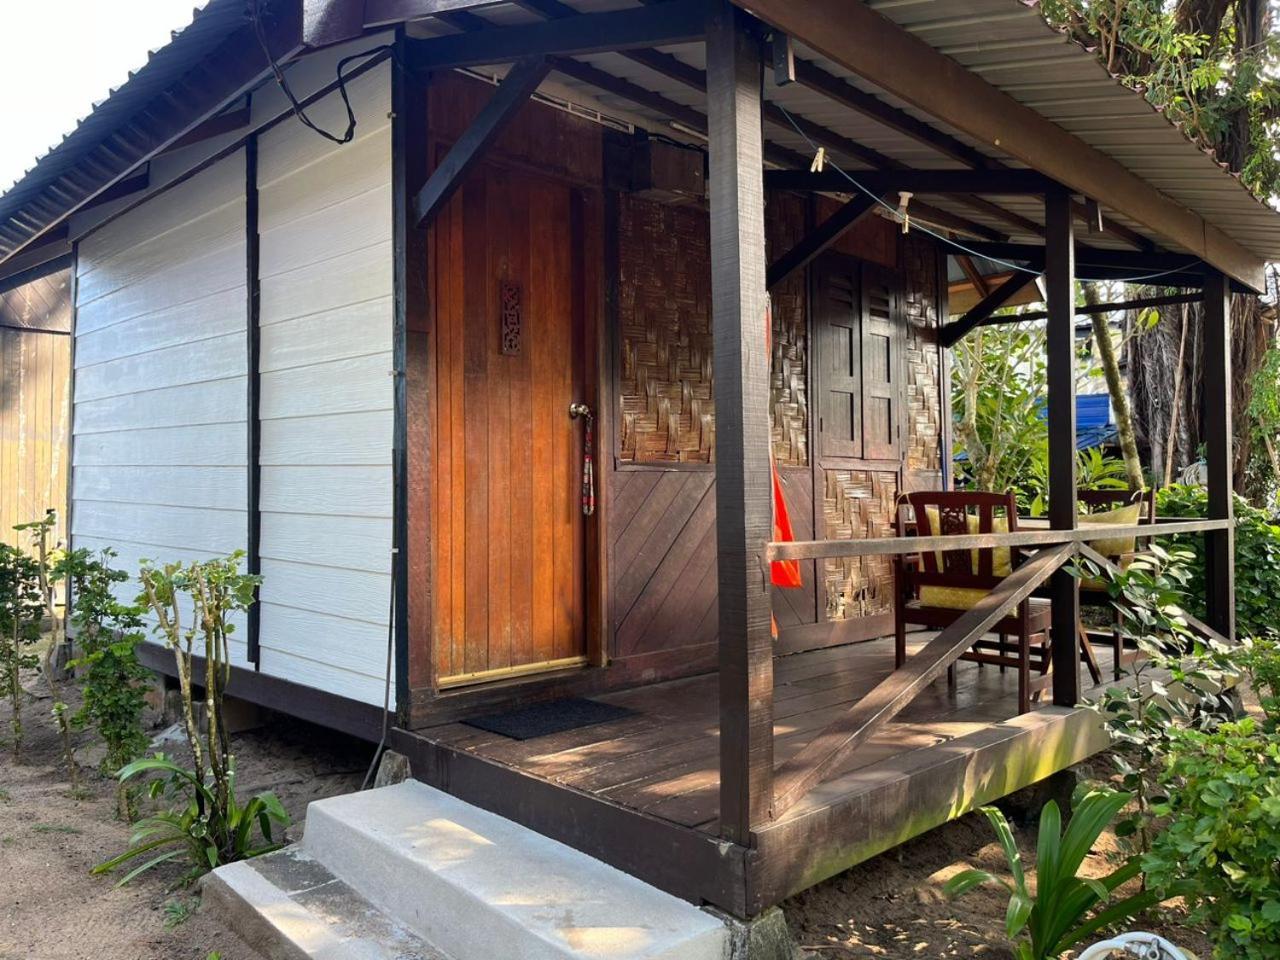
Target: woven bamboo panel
(664, 312)
(785, 222)
(924, 397)
(664, 301)
(856, 505)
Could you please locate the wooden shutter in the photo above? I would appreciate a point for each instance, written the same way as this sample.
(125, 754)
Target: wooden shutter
(882, 370)
(838, 338)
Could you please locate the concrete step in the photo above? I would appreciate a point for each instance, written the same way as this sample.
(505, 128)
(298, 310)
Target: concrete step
(415, 869)
(289, 907)
(480, 887)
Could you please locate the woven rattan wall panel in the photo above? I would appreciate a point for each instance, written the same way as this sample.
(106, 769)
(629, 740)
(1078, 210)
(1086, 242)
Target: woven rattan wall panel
(923, 411)
(857, 504)
(664, 312)
(785, 223)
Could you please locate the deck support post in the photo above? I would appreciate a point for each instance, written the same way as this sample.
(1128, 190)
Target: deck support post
(1060, 297)
(744, 517)
(1219, 544)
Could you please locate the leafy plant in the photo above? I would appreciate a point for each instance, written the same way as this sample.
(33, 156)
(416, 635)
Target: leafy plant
(1257, 558)
(107, 635)
(21, 609)
(208, 826)
(1064, 908)
(1260, 658)
(178, 910)
(48, 571)
(1221, 839)
(62, 721)
(206, 822)
(1178, 678)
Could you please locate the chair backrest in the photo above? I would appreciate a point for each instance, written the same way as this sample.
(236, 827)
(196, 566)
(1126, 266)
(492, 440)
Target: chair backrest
(944, 513)
(1096, 501)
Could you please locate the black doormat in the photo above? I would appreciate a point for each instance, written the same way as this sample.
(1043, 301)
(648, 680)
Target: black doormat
(542, 719)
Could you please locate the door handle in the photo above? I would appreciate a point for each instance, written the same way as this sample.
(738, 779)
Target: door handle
(581, 411)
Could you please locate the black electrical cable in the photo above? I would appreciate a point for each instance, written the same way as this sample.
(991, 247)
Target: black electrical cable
(386, 690)
(255, 15)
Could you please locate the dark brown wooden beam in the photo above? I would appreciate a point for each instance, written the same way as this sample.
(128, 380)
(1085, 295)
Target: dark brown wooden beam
(1087, 256)
(979, 282)
(1060, 346)
(381, 13)
(673, 22)
(982, 311)
(744, 511)
(512, 93)
(819, 239)
(917, 181)
(223, 123)
(824, 754)
(1219, 567)
(875, 48)
(1086, 310)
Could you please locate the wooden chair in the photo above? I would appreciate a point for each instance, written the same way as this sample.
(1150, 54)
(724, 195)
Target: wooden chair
(934, 588)
(1093, 593)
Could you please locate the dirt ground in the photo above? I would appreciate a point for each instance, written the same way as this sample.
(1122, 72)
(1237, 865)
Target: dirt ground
(53, 909)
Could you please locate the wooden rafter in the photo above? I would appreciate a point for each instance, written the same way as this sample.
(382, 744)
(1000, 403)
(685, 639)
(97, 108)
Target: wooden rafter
(820, 238)
(511, 94)
(672, 22)
(824, 754)
(979, 282)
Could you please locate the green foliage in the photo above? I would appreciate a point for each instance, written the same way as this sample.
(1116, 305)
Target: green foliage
(178, 910)
(1260, 658)
(206, 824)
(1065, 908)
(1257, 559)
(107, 636)
(1221, 838)
(21, 609)
(1217, 80)
(1178, 680)
(1095, 470)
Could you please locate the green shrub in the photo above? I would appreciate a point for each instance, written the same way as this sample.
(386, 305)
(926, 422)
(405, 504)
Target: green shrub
(1221, 838)
(107, 636)
(21, 610)
(1058, 915)
(1257, 558)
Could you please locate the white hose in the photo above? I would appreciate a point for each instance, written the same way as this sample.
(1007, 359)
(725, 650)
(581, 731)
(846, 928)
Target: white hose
(1143, 946)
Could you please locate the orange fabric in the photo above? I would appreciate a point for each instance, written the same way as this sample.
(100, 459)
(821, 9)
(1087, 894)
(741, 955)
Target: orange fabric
(782, 573)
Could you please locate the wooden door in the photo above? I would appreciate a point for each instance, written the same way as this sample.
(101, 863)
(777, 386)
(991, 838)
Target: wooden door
(509, 360)
(883, 329)
(838, 338)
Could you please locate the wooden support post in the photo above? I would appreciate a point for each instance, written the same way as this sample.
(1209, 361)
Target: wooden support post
(1060, 297)
(741, 368)
(1219, 544)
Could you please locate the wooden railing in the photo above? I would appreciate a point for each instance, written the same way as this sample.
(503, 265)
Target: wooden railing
(868, 716)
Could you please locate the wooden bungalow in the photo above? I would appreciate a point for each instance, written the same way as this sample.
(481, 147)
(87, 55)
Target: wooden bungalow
(550, 241)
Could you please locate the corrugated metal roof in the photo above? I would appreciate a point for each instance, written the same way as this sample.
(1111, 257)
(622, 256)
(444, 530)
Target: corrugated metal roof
(1007, 42)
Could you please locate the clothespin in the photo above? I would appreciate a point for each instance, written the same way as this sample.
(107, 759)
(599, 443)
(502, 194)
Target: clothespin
(819, 160)
(904, 198)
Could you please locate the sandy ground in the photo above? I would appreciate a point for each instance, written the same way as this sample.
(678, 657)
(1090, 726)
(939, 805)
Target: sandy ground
(53, 909)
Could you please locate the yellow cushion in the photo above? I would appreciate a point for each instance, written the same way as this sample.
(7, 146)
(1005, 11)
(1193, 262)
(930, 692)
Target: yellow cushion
(952, 598)
(1119, 517)
(1001, 558)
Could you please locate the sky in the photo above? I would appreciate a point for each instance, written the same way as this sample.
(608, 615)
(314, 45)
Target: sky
(62, 55)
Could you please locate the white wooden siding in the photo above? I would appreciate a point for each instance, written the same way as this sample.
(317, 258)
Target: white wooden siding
(160, 397)
(326, 402)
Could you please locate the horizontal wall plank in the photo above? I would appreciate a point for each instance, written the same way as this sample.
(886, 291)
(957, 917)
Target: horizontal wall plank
(217, 532)
(340, 386)
(357, 543)
(312, 673)
(350, 225)
(222, 488)
(181, 364)
(349, 645)
(351, 594)
(353, 277)
(357, 168)
(354, 330)
(208, 445)
(212, 316)
(219, 401)
(339, 439)
(338, 491)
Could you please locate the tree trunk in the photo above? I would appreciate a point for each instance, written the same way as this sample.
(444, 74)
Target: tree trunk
(1115, 387)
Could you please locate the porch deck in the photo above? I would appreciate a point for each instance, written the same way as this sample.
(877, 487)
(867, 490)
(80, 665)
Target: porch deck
(953, 748)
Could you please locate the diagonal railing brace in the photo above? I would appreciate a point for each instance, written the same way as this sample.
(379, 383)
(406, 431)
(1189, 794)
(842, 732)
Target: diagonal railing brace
(824, 754)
